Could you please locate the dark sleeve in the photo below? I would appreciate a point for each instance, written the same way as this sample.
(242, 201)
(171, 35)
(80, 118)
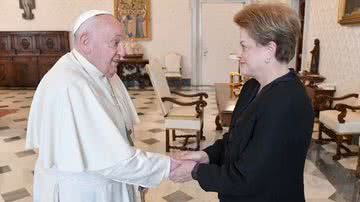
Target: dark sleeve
(215, 151)
(280, 138)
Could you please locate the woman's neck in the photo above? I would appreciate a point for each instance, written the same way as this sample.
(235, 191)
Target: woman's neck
(271, 74)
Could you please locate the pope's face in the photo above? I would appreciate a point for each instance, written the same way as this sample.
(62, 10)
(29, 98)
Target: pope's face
(108, 49)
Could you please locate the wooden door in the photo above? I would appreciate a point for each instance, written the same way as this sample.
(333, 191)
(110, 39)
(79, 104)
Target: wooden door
(220, 38)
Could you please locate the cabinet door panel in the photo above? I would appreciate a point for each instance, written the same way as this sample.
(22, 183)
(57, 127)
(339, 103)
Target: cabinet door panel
(6, 76)
(45, 64)
(26, 71)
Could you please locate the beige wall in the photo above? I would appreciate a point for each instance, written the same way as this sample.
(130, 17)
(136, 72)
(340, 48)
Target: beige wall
(171, 31)
(340, 46)
(171, 22)
(49, 14)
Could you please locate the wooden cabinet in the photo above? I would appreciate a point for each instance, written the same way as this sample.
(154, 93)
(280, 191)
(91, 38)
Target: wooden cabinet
(45, 64)
(25, 57)
(25, 71)
(5, 71)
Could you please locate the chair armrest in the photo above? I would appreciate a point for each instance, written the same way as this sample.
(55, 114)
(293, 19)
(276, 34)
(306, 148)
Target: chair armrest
(200, 95)
(200, 104)
(324, 101)
(326, 97)
(342, 108)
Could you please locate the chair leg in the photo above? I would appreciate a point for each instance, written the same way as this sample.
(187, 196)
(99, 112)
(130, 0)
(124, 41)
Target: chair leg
(173, 135)
(198, 138)
(217, 122)
(167, 140)
(202, 137)
(357, 171)
(320, 139)
(339, 139)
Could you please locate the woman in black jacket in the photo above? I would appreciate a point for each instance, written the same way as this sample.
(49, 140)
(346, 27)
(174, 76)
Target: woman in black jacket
(262, 157)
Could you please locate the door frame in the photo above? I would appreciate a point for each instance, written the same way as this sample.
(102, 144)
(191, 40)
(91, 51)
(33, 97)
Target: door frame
(196, 36)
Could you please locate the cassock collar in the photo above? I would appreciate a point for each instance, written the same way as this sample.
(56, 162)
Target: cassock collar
(90, 68)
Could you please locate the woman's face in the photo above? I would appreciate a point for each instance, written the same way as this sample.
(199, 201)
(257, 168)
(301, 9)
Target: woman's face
(251, 55)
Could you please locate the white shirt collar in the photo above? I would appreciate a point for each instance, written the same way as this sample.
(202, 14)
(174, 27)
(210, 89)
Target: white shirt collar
(90, 68)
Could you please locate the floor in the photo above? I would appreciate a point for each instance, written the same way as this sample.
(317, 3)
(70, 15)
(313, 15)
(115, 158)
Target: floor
(325, 180)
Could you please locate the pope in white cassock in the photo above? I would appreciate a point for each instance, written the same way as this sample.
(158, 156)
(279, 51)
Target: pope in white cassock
(81, 119)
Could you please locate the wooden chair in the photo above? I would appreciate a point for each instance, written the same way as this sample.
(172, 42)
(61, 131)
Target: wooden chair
(179, 115)
(341, 123)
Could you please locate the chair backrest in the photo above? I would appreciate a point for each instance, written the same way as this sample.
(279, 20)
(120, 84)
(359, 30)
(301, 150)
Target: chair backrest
(173, 62)
(159, 83)
(357, 103)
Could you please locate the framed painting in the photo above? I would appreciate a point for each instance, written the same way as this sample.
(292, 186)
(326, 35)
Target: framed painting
(135, 15)
(349, 12)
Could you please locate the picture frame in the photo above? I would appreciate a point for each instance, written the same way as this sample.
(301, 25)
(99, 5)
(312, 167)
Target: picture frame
(349, 12)
(135, 15)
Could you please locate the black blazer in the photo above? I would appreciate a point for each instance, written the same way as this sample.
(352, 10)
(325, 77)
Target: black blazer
(262, 157)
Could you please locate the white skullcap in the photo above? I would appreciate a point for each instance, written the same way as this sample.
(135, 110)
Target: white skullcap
(87, 15)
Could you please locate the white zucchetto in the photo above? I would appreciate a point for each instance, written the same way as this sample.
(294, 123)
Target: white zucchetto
(87, 15)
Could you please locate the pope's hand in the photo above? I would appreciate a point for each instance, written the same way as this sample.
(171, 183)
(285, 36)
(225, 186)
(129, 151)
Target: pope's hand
(183, 172)
(198, 156)
(174, 163)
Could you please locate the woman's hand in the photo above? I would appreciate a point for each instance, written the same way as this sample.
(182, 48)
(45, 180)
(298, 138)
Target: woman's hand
(198, 156)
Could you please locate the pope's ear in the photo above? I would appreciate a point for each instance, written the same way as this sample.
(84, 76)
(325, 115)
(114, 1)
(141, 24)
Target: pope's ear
(84, 42)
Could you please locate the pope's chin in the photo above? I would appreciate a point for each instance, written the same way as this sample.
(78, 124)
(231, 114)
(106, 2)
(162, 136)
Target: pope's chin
(115, 63)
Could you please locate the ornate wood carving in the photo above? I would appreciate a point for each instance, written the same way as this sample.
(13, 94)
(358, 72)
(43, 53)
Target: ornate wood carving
(314, 92)
(133, 70)
(2, 45)
(26, 56)
(50, 43)
(5, 44)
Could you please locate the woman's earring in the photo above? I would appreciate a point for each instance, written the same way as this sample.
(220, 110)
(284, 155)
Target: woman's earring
(267, 61)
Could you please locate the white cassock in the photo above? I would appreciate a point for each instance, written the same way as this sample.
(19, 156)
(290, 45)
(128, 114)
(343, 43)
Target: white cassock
(79, 120)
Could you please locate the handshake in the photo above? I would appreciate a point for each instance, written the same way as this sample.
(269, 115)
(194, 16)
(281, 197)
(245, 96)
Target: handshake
(182, 163)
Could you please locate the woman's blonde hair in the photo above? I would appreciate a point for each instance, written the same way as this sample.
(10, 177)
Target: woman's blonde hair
(272, 22)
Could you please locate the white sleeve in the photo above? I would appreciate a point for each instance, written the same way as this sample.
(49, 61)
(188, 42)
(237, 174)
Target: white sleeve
(144, 169)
